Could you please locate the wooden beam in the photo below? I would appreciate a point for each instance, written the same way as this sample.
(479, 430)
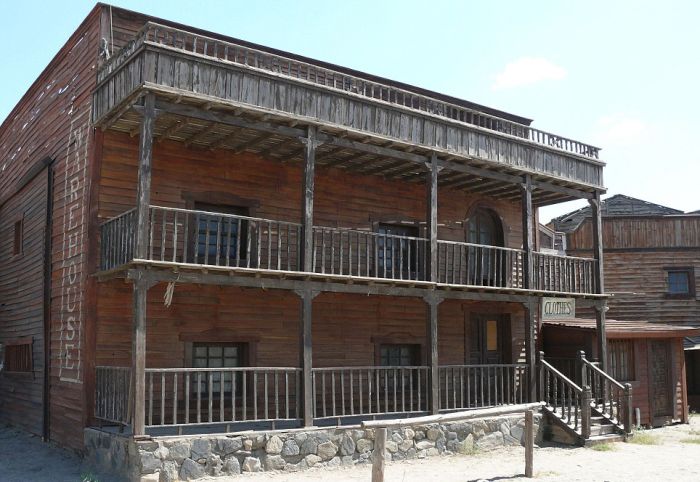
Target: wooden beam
(138, 350)
(143, 197)
(433, 300)
(530, 442)
(223, 140)
(306, 355)
(601, 308)
(379, 455)
(453, 178)
(250, 143)
(275, 146)
(528, 231)
(199, 135)
(172, 129)
(310, 144)
(530, 349)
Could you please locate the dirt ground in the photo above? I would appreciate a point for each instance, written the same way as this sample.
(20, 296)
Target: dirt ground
(672, 453)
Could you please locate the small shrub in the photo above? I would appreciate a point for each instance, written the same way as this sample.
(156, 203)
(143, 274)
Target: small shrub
(643, 437)
(604, 447)
(693, 440)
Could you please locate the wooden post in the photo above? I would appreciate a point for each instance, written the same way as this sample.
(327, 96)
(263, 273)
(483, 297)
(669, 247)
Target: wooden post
(541, 378)
(586, 412)
(143, 198)
(582, 368)
(310, 144)
(529, 442)
(432, 301)
(530, 351)
(526, 190)
(601, 308)
(432, 220)
(139, 356)
(628, 408)
(379, 461)
(305, 355)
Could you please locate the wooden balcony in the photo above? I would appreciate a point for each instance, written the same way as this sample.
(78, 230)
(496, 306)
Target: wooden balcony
(191, 400)
(183, 239)
(211, 91)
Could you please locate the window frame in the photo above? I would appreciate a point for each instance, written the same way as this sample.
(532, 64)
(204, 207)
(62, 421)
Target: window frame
(415, 261)
(28, 366)
(219, 209)
(689, 271)
(18, 236)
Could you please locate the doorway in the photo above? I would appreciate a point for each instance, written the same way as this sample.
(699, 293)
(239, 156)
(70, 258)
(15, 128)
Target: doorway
(660, 382)
(488, 339)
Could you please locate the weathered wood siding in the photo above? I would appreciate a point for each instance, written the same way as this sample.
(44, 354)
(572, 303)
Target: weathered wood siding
(21, 302)
(346, 328)
(342, 199)
(53, 121)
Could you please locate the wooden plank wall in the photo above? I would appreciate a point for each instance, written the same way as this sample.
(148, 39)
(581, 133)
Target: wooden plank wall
(21, 302)
(346, 327)
(52, 121)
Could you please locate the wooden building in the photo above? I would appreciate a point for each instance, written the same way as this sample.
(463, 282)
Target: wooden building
(652, 268)
(200, 233)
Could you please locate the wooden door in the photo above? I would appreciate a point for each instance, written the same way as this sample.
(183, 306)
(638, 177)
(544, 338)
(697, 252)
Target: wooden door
(660, 382)
(488, 339)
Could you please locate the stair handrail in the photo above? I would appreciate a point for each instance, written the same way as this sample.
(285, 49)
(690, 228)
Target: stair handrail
(576, 400)
(623, 415)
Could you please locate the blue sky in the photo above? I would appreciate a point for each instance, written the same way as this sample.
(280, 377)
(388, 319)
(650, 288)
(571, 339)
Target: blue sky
(622, 75)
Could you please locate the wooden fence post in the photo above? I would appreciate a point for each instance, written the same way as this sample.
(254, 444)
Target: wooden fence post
(628, 408)
(379, 461)
(586, 412)
(529, 442)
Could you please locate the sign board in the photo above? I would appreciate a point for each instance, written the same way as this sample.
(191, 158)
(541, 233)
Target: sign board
(558, 308)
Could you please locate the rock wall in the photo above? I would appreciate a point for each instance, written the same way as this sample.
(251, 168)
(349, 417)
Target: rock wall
(167, 459)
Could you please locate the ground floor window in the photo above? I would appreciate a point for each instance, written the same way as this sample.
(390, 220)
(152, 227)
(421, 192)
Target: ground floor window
(621, 360)
(218, 355)
(392, 355)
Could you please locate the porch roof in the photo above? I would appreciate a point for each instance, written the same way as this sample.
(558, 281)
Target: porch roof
(629, 329)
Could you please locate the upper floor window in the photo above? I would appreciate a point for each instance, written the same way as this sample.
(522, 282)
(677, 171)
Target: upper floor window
(483, 227)
(221, 239)
(18, 237)
(485, 266)
(680, 282)
(397, 251)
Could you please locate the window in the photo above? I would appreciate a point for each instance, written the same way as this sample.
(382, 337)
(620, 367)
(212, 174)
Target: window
(18, 237)
(221, 239)
(621, 360)
(218, 355)
(399, 355)
(680, 282)
(397, 256)
(18, 356)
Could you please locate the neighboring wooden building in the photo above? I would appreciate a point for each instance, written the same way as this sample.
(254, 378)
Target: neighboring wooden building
(652, 266)
(199, 233)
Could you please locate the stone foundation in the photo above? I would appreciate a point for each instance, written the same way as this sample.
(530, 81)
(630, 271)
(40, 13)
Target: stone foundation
(191, 457)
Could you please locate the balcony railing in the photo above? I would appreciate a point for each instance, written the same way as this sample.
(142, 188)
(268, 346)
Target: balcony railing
(232, 53)
(113, 394)
(479, 386)
(202, 238)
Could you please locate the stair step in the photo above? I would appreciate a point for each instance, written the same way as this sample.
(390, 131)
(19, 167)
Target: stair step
(603, 429)
(604, 439)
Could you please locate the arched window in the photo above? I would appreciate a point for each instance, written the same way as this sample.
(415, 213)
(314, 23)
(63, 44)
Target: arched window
(486, 266)
(483, 227)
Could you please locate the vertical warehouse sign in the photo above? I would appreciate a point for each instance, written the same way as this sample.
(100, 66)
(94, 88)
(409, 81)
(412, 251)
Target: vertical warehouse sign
(75, 193)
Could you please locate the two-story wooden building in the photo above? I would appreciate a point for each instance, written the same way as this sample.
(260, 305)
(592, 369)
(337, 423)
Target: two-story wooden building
(203, 234)
(652, 265)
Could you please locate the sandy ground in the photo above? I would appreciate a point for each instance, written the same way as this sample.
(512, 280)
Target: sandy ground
(672, 457)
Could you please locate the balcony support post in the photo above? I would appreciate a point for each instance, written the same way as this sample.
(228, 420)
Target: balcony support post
(601, 306)
(306, 252)
(530, 350)
(432, 219)
(138, 352)
(307, 296)
(143, 198)
(528, 232)
(433, 300)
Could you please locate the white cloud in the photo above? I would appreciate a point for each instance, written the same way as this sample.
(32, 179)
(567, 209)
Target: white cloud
(620, 129)
(527, 70)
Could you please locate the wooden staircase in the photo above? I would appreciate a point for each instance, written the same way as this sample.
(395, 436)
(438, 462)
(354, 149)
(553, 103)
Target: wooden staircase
(595, 412)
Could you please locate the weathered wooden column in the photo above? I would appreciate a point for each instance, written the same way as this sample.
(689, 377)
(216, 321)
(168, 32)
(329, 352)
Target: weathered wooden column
(432, 298)
(528, 283)
(140, 286)
(600, 306)
(306, 264)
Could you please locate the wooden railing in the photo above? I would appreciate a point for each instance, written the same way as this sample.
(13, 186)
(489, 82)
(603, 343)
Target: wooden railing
(611, 398)
(342, 392)
(178, 397)
(564, 398)
(230, 52)
(563, 273)
(113, 394)
(217, 239)
(350, 252)
(479, 386)
(117, 240)
(187, 236)
(478, 265)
